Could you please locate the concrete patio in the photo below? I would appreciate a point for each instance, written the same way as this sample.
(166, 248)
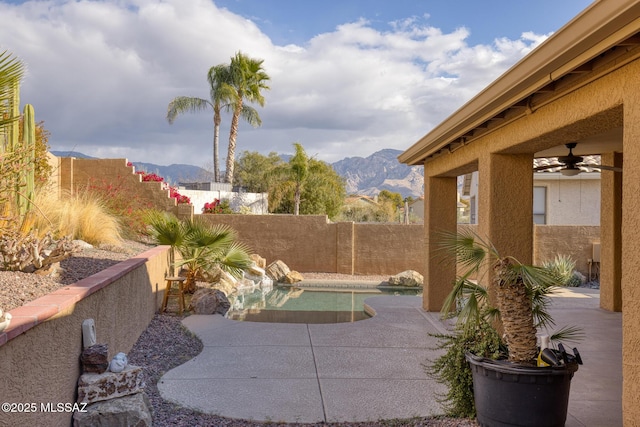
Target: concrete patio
(371, 369)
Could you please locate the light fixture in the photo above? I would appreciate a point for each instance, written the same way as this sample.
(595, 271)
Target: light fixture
(570, 170)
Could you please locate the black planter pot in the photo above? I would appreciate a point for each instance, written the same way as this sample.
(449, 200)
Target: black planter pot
(507, 394)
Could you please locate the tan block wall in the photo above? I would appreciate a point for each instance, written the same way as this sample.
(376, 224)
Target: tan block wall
(304, 243)
(575, 241)
(74, 174)
(42, 364)
(388, 248)
(312, 244)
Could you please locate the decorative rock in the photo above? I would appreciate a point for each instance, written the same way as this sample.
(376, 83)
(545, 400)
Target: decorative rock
(258, 261)
(132, 410)
(209, 301)
(5, 319)
(293, 277)
(224, 287)
(407, 278)
(95, 359)
(277, 270)
(256, 271)
(118, 363)
(98, 387)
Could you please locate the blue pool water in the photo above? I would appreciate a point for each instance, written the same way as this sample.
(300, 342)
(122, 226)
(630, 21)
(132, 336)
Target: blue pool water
(306, 305)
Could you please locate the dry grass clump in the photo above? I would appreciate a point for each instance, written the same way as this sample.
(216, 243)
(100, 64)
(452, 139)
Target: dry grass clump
(83, 216)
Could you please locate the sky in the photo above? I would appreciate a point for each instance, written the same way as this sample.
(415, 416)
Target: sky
(348, 77)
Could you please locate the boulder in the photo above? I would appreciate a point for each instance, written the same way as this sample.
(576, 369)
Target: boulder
(223, 286)
(293, 277)
(258, 261)
(109, 385)
(407, 278)
(254, 270)
(277, 270)
(95, 359)
(209, 301)
(131, 410)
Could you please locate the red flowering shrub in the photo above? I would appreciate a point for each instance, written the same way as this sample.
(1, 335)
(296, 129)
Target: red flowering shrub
(173, 192)
(217, 207)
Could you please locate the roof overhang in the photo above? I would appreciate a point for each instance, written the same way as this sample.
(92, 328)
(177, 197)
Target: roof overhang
(571, 50)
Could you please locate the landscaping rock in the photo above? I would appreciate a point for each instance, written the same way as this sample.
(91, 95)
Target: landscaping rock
(277, 270)
(109, 385)
(209, 301)
(407, 278)
(254, 270)
(132, 410)
(258, 261)
(293, 277)
(95, 359)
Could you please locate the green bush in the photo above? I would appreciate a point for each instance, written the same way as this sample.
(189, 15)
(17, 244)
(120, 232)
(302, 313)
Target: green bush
(563, 267)
(453, 370)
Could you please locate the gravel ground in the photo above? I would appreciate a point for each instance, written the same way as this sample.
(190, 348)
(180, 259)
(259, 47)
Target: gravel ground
(167, 333)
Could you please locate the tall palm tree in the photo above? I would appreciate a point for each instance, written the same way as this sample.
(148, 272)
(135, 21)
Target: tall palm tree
(220, 94)
(248, 78)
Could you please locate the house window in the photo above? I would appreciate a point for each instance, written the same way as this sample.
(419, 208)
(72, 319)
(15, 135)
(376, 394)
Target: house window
(539, 205)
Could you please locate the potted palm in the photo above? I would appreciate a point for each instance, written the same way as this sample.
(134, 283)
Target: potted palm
(499, 339)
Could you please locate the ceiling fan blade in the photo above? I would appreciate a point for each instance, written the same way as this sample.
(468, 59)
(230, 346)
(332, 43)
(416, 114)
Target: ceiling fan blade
(603, 167)
(542, 168)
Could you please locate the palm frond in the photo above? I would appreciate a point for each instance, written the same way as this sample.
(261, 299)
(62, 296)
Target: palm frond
(572, 334)
(186, 104)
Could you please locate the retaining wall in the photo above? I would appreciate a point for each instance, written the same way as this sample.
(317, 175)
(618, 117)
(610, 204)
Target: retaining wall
(40, 351)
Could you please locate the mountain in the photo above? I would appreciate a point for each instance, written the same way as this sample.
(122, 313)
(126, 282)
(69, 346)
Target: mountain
(363, 175)
(71, 154)
(380, 171)
(177, 172)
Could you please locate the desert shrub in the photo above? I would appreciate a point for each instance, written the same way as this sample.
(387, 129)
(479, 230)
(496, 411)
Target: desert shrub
(563, 267)
(84, 216)
(121, 202)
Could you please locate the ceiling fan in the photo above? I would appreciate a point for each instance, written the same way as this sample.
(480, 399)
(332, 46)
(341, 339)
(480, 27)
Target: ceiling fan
(572, 164)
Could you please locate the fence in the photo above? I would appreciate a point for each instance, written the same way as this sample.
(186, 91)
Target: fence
(309, 243)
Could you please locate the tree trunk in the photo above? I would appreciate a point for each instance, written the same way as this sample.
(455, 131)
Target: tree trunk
(216, 138)
(296, 200)
(516, 314)
(233, 134)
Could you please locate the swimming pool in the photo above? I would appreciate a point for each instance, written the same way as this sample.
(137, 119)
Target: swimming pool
(288, 304)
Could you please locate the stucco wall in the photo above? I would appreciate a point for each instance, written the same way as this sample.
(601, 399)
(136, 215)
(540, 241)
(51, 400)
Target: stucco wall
(575, 241)
(313, 244)
(572, 201)
(74, 174)
(39, 352)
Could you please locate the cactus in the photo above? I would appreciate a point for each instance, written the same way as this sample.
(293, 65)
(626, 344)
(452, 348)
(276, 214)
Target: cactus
(27, 180)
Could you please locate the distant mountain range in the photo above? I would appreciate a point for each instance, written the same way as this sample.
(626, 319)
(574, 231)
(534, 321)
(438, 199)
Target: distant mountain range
(363, 175)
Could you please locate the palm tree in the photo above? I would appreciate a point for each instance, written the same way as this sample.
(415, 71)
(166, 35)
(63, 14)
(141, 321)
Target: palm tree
(248, 78)
(220, 93)
(201, 246)
(521, 293)
(11, 73)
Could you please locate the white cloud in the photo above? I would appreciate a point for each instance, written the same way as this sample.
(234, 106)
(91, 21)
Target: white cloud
(101, 73)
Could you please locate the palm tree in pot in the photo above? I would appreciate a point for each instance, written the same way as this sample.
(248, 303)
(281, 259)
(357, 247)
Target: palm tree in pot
(518, 309)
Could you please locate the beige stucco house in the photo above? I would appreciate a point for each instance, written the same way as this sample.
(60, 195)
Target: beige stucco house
(557, 199)
(581, 85)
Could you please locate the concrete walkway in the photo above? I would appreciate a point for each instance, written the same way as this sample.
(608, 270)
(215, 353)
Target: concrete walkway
(370, 369)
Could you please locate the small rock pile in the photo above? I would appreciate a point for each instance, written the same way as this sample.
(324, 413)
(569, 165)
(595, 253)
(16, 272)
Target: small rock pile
(110, 393)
